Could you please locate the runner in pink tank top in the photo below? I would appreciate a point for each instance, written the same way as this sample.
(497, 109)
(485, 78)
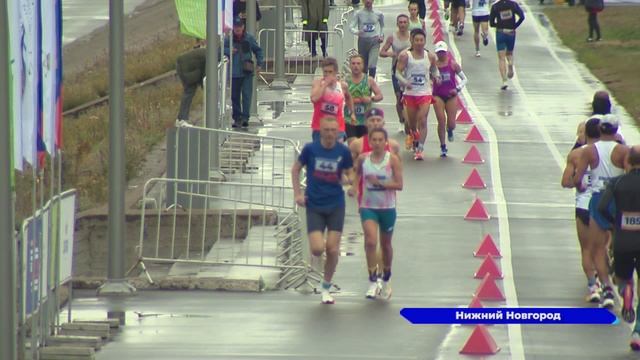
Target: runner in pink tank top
(329, 96)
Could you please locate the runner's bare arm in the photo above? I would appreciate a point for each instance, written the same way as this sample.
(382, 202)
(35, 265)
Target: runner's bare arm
(385, 50)
(317, 89)
(354, 148)
(582, 163)
(401, 65)
(357, 173)
(395, 148)
(377, 93)
(348, 99)
(569, 169)
(295, 182)
(433, 68)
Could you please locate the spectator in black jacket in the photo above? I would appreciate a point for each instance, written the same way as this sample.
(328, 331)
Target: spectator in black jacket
(191, 69)
(593, 7)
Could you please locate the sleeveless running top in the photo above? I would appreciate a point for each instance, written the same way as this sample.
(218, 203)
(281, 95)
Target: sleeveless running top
(448, 82)
(480, 8)
(583, 198)
(358, 90)
(398, 45)
(374, 197)
(331, 103)
(366, 148)
(605, 170)
(417, 73)
(415, 25)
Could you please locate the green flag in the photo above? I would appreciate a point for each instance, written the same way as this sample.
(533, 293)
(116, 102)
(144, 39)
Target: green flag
(193, 17)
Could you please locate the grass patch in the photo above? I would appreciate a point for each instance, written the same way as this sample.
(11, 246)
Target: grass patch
(141, 64)
(615, 59)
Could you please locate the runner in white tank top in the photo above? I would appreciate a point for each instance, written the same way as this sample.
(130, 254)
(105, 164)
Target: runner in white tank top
(415, 69)
(606, 159)
(588, 133)
(480, 15)
(393, 46)
(381, 172)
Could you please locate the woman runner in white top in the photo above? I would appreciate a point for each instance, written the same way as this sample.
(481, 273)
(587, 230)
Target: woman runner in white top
(381, 172)
(393, 46)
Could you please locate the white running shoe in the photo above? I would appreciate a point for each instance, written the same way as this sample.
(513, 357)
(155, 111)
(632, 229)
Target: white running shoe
(373, 291)
(594, 295)
(477, 53)
(385, 291)
(326, 297)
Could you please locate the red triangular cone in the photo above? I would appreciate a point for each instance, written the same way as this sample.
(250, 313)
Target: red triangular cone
(437, 38)
(477, 211)
(474, 135)
(463, 117)
(461, 103)
(487, 247)
(434, 5)
(490, 267)
(475, 303)
(434, 14)
(473, 156)
(480, 343)
(437, 32)
(488, 290)
(474, 181)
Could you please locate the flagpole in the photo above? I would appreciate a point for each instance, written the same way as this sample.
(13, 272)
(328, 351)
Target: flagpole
(8, 305)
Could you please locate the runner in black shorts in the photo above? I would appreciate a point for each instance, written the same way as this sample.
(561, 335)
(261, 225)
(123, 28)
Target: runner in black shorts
(588, 133)
(325, 161)
(624, 191)
(457, 15)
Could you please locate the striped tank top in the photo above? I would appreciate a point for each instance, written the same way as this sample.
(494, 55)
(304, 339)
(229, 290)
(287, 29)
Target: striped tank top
(374, 197)
(357, 91)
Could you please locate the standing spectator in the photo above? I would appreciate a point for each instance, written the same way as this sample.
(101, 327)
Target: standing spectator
(593, 7)
(315, 15)
(240, 10)
(191, 68)
(242, 71)
(368, 25)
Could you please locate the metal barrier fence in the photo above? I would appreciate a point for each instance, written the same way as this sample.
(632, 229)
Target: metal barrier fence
(298, 60)
(242, 224)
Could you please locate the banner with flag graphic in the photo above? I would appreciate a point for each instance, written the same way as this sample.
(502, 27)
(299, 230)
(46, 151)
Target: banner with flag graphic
(15, 87)
(51, 74)
(193, 17)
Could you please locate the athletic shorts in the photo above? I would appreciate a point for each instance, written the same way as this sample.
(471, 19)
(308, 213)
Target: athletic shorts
(315, 136)
(583, 216)
(480, 19)
(444, 98)
(386, 218)
(595, 214)
(416, 100)
(458, 3)
(325, 219)
(505, 41)
(625, 262)
(356, 131)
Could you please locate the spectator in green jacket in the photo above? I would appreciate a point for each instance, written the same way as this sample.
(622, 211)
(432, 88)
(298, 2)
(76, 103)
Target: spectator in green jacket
(191, 69)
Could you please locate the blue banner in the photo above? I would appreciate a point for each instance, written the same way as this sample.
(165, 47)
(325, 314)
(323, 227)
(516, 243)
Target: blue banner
(470, 316)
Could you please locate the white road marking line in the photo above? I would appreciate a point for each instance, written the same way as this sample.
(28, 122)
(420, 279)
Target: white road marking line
(516, 345)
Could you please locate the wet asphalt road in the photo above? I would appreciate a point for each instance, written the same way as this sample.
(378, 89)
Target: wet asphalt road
(529, 129)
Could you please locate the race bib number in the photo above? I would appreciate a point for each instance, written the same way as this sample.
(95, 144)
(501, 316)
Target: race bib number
(630, 221)
(446, 77)
(419, 80)
(329, 108)
(369, 27)
(360, 109)
(506, 15)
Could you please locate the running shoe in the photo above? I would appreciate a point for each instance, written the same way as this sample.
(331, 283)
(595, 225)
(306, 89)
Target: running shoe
(504, 85)
(460, 28)
(408, 142)
(627, 312)
(418, 155)
(510, 71)
(608, 298)
(477, 53)
(443, 151)
(635, 341)
(401, 128)
(589, 39)
(450, 135)
(485, 39)
(326, 297)
(385, 290)
(594, 294)
(373, 291)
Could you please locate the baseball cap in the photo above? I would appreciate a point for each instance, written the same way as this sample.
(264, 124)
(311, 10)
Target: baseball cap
(441, 46)
(237, 21)
(373, 112)
(610, 119)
